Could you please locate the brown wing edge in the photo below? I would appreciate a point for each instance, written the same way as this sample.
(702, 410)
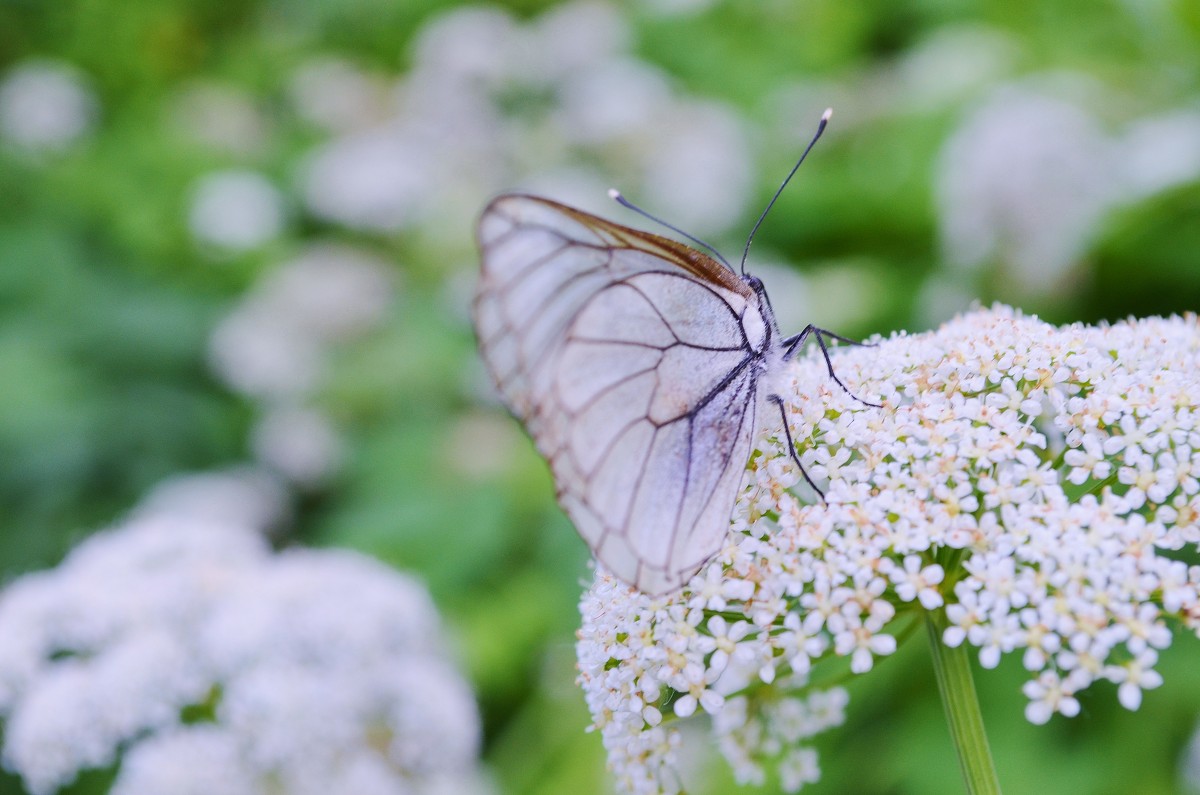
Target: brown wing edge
(686, 258)
(616, 235)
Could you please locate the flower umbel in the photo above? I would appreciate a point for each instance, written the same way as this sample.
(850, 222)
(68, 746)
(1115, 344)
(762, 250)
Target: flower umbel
(185, 654)
(1032, 482)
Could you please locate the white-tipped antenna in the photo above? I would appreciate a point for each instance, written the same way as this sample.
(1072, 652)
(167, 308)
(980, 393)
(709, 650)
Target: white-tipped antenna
(820, 129)
(620, 199)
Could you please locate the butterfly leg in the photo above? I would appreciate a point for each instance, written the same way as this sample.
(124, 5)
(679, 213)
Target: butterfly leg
(792, 344)
(791, 445)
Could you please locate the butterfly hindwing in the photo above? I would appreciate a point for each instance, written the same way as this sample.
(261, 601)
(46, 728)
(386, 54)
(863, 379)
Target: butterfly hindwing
(625, 356)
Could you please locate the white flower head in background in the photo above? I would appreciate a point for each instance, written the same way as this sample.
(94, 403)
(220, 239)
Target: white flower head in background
(1189, 764)
(257, 352)
(299, 442)
(241, 495)
(950, 64)
(373, 179)
(45, 105)
(235, 211)
(272, 345)
(195, 660)
(1160, 152)
(331, 292)
(492, 102)
(1033, 482)
(1023, 183)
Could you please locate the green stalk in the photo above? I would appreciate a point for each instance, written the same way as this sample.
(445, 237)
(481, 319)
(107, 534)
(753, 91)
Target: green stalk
(957, 688)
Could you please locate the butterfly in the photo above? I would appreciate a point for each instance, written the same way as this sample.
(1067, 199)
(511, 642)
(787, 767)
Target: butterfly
(641, 367)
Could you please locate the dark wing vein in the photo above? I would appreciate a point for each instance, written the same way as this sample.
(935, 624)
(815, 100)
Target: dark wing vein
(725, 451)
(746, 406)
(532, 295)
(737, 318)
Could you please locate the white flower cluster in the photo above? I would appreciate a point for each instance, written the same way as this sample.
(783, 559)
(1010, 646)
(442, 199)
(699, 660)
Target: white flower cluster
(998, 200)
(273, 346)
(1027, 178)
(491, 103)
(45, 106)
(194, 659)
(1034, 482)
(235, 210)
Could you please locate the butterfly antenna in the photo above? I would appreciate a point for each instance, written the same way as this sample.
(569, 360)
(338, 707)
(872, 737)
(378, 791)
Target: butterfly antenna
(616, 196)
(820, 129)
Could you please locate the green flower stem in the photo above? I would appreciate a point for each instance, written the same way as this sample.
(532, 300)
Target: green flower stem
(957, 688)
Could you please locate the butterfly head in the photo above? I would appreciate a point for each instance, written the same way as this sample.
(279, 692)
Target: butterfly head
(765, 311)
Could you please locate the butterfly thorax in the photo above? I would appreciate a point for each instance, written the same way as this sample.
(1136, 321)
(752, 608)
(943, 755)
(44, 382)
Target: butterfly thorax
(758, 322)
(763, 337)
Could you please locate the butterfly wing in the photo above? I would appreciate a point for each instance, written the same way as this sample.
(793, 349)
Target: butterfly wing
(624, 354)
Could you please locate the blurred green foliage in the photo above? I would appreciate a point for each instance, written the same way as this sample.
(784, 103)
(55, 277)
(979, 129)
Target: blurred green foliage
(106, 303)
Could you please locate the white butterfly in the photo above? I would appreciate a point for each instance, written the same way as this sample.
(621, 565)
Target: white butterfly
(640, 366)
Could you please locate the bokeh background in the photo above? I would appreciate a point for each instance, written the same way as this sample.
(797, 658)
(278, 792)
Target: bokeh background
(237, 238)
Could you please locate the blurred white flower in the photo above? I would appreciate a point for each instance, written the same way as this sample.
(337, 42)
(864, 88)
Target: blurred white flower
(192, 760)
(697, 167)
(949, 65)
(579, 36)
(616, 98)
(959, 490)
(1189, 764)
(375, 180)
(304, 671)
(273, 344)
(492, 103)
(1027, 179)
(298, 442)
(471, 44)
(45, 105)
(221, 117)
(240, 496)
(1023, 183)
(1159, 153)
(954, 63)
(337, 96)
(235, 210)
(332, 292)
(258, 353)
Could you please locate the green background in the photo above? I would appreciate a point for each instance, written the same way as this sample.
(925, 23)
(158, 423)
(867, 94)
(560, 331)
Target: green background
(107, 303)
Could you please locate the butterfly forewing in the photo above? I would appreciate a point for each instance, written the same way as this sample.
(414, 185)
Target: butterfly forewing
(624, 354)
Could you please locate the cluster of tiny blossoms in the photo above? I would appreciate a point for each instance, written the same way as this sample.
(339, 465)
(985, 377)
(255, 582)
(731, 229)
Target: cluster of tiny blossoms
(183, 652)
(1035, 483)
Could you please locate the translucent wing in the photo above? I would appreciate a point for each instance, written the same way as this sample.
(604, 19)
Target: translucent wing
(625, 355)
